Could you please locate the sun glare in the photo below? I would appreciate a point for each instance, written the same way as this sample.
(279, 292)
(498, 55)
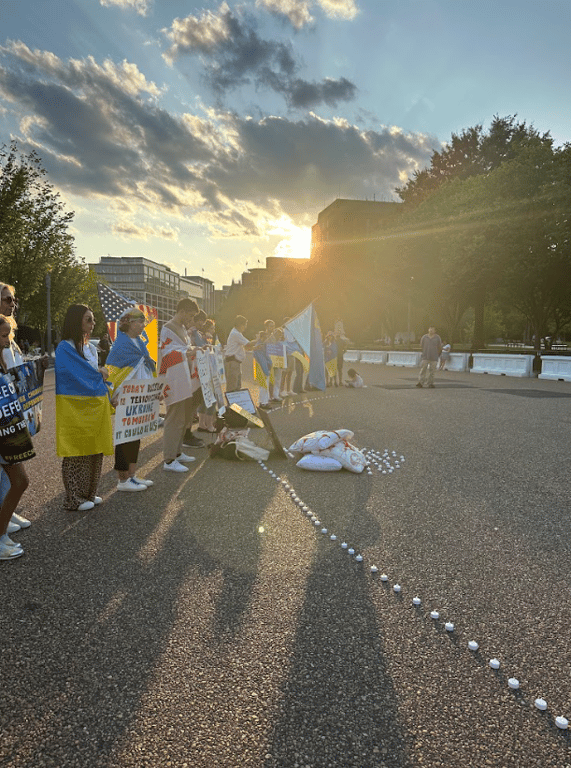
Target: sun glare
(296, 243)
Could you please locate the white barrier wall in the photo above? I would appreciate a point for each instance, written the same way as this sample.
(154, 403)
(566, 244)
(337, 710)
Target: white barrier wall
(351, 356)
(458, 362)
(507, 365)
(407, 359)
(373, 356)
(556, 368)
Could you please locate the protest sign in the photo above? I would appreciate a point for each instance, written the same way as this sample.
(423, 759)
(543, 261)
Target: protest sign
(15, 442)
(216, 383)
(205, 376)
(219, 356)
(28, 380)
(137, 413)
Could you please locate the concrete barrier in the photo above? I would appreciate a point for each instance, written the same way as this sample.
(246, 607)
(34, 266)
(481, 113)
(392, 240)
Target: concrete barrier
(503, 365)
(351, 356)
(555, 367)
(458, 361)
(373, 356)
(406, 359)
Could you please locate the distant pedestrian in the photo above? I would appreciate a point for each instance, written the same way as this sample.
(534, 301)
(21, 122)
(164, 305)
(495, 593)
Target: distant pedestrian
(431, 347)
(235, 353)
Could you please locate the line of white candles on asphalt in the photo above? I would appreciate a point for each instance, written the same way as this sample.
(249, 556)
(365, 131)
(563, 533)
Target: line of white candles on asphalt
(383, 464)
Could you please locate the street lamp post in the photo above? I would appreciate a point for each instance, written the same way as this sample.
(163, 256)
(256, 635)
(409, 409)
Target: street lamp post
(409, 299)
(49, 310)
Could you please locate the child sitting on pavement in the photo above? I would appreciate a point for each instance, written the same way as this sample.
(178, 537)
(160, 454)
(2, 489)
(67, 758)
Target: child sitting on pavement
(354, 379)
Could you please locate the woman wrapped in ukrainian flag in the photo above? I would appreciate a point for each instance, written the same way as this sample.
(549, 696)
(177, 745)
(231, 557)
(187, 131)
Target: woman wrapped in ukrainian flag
(83, 412)
(129, 359)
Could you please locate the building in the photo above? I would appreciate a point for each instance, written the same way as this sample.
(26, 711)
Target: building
(351, 226)
(207, 302)
(148, 282)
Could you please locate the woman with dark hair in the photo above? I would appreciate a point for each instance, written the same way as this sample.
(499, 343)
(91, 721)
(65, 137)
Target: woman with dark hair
(129, 359)
(83, 412)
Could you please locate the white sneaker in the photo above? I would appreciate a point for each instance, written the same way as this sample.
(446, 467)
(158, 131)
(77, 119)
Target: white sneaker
(185, 458)
(284, 394)
(291, 392)
(97, 500)
(144, 481)
(21, 521)
(9, 553)
(13, 527)
(131, 485)
(84, 506)
(5, 539)
(175, 466)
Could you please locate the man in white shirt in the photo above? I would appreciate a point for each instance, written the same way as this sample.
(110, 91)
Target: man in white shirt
(235, 353)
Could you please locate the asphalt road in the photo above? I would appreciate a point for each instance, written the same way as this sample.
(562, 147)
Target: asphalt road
(207, 622)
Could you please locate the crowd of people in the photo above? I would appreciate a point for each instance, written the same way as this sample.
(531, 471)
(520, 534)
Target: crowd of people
(87, 388)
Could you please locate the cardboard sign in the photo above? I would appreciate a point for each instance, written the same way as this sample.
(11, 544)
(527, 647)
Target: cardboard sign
(15, 442)
(28, 380)
(137, 414)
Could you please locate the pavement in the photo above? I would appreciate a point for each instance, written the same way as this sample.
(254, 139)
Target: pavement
(208, 623)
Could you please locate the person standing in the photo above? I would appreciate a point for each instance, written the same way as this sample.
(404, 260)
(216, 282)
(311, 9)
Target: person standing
(182, 390)
(83, 412)
(431, 347)
(445, 357)
(235, 353)
(129, 360)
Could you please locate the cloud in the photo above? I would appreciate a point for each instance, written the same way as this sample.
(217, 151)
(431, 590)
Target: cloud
(127, 229)
(298, 12)
(103, 135)
(234, 55)
(140, 6)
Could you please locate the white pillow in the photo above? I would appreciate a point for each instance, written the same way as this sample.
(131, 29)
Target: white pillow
(318, 441)
(347, 455)
(319, 463)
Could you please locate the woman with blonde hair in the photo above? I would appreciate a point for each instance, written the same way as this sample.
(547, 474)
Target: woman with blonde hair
(129, 359)
(15, 471)
(11, 355)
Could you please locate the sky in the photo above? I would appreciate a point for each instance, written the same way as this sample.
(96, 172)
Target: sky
(209, 135)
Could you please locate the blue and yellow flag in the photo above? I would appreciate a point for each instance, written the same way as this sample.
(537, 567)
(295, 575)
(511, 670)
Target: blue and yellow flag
(262, 367)
(83, 408)
(330, 358)
(126, 358)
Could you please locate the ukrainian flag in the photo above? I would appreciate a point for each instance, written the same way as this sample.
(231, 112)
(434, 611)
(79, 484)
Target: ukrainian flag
(83, 408)
(330, 358)
(262, 368)
(129, 360)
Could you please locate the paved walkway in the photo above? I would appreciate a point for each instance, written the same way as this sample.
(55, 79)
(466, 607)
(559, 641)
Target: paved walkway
(208, 623)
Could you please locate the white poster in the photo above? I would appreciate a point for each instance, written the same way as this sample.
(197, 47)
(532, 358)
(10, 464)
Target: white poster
(205, 376)
(219, 355)
(137, 413)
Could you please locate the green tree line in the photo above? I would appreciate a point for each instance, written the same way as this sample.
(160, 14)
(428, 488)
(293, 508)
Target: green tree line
(36, 240)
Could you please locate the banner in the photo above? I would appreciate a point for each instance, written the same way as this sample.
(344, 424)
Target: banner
(15, 442)
(137, 413)
(28, 379)
(221, 371)
(276, 351)
(216, 383)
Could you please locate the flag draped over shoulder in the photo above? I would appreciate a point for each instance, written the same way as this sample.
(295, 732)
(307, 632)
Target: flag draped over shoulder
(127, 360)
(175, 366)
(114, 304)
(330, 358)
(305, 329)
(262, 367)
(83, 408)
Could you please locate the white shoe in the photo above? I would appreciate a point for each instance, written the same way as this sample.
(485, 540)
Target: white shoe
(84, 506)
(21, 521)
(5, 539)
(131, 485)
(9, 553)
(13, 527)
(175, 466)
(291, 392)
(144, 481)
(185, 458)
(97, 500)
(284, 394)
